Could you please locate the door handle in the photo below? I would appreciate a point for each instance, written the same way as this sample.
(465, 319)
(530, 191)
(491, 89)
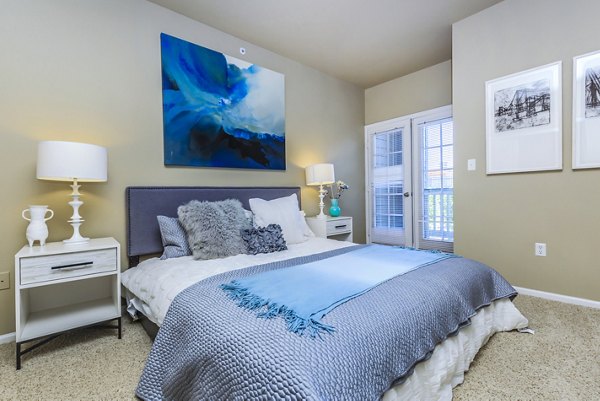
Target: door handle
(406, 194)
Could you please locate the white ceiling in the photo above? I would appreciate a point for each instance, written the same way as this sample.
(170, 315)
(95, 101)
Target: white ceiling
(366, 42)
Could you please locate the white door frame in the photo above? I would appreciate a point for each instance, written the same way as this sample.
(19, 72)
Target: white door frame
(410, 148)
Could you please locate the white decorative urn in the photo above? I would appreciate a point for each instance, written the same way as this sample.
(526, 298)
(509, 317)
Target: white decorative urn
(37, 230)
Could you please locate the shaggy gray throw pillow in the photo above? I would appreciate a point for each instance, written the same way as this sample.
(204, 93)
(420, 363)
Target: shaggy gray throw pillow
(214, 228)
(264, 239)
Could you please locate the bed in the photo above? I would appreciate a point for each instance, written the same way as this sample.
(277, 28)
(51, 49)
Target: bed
(209, 348)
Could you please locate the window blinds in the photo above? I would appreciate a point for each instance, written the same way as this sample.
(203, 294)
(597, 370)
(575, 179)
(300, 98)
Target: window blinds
(387, 187)
(434, 211)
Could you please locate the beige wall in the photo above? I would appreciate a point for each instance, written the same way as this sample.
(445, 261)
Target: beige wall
(89, 71)
(422, 90)
(500, 217)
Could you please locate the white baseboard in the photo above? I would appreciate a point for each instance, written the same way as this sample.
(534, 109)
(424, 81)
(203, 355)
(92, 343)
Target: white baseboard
(559, 297)
(7, 338)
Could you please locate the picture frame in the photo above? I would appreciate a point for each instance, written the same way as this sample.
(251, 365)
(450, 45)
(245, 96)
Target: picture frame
(586, 111)
(220, 111)
(524, 121)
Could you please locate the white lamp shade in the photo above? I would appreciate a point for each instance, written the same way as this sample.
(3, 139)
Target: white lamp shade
(68, 161)
(320, 174)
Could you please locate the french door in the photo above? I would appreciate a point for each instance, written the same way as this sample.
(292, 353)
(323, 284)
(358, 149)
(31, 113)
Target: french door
(389, 182)
(409, 165)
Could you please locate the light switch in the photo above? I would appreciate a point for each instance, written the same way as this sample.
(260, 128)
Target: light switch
(471, 164)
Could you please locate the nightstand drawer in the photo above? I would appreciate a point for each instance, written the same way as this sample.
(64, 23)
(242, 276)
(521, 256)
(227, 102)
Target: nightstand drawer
(339, 226)
(68, 265)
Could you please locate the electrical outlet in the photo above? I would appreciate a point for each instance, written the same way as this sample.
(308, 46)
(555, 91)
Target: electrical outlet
(4, 281)
(540, 249)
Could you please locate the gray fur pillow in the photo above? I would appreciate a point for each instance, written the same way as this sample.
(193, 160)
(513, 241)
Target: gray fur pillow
(264, 239)
(214, 228)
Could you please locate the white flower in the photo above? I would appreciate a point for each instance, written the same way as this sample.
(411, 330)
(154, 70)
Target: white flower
(337, 189)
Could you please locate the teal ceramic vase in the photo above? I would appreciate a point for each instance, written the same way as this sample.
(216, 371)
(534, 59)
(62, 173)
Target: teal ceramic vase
(334, 210)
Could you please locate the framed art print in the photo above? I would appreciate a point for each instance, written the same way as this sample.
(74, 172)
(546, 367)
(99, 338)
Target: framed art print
(220, 111)
(524, 121)
(586, 111)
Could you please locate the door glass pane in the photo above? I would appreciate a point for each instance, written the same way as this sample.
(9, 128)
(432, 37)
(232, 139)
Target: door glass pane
(447, 133)
(388, 182)
(432, 136)
(437, 178)
(448, 157)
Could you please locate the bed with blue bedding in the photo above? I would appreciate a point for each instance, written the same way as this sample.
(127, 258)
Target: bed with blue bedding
(230, 336)
(210, 348)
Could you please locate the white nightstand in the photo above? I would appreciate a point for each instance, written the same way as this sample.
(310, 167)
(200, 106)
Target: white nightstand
(331, 227)
(62, 287)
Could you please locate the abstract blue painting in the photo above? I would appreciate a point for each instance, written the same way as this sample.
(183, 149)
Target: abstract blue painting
(219, 111)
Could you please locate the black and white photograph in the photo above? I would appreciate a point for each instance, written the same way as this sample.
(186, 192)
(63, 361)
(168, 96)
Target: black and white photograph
(522, 106)
(586, 110)
(592, 92)
(524, 121)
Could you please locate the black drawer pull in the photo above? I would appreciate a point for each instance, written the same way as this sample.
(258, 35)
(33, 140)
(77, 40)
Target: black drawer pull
(73, 265)
(344, 226)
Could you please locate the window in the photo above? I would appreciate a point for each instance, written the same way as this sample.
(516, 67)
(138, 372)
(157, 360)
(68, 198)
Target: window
(438, 185)
(388, 180)
(388, 154)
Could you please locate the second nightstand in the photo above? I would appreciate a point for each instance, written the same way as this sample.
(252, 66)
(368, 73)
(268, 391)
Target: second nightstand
(332, 227)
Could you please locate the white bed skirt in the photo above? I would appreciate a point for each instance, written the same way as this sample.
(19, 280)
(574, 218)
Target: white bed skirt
(435, 378)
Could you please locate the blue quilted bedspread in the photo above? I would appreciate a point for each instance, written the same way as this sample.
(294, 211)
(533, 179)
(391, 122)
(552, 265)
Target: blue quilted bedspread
(210, 349)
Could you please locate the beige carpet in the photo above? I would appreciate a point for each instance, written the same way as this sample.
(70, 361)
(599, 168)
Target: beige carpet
(560, 362)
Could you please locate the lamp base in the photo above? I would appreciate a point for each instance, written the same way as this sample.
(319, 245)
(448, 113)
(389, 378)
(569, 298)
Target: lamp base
(76, 220)
(76, 241)
(322, 193)
(70, 241)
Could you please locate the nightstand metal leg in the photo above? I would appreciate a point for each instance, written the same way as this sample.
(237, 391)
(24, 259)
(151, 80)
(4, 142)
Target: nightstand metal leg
(18, 356)
(44, 340)
(21, 352)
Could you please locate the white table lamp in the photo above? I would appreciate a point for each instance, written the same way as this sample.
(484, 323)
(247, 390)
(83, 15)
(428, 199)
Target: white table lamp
(72, 161)
(320, 174)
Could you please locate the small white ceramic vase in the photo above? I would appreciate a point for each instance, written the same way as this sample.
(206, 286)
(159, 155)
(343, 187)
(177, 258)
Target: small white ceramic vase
(37, 230)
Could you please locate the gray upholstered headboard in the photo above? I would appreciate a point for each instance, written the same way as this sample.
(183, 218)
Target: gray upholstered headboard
(145, 203)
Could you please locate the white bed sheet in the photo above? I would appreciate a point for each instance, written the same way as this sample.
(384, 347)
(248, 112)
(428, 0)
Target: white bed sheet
(154, 283)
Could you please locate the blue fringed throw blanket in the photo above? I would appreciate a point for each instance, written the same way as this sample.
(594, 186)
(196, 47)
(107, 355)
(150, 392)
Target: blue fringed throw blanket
(303, 294)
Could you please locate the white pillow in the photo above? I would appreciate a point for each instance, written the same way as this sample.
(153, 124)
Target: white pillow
(308, 233)
(283, 211)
